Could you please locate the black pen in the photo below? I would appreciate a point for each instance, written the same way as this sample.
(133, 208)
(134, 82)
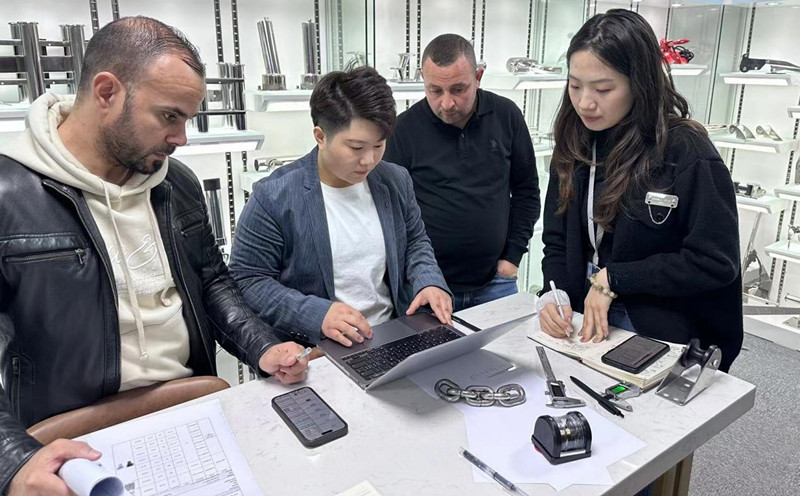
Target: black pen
(603, 401)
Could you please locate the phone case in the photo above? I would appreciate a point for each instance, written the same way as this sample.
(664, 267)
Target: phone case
(309, 416)
(635, 354)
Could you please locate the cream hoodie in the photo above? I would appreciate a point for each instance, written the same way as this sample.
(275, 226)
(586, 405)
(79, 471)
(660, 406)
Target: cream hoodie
(154, 337)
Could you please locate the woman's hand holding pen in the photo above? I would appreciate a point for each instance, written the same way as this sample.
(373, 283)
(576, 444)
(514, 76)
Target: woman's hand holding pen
(552, 323)
(595, 311)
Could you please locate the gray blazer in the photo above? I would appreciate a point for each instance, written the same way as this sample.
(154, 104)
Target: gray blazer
(281, 255)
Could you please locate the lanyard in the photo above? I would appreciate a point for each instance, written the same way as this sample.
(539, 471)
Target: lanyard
(595, 231)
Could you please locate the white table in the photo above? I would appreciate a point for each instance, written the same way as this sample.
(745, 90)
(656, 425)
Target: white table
(405, 442)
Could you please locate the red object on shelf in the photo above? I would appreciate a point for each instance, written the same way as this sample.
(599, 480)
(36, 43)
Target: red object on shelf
(674, 53)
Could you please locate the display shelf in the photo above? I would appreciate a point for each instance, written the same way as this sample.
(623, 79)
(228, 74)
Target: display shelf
(250, 178)
(754, 145)
(544, 149)
(687, 69)
(277, 100)
(12, 117)
(220, 141)
(767, 204)
(785, 250)
(761, 78)
(525, 81)
(789, 192)
(295, 100)
(794, 112)
(408, 91)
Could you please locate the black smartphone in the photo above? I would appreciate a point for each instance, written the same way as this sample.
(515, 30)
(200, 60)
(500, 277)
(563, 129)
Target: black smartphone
(635, 353)
(311, 419)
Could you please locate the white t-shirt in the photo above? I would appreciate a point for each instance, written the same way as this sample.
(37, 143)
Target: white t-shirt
(358, 250)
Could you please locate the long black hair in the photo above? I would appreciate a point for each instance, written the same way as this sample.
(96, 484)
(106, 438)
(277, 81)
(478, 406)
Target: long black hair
(625, 42)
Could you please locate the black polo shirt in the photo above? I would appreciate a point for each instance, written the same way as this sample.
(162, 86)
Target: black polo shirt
(477, 187)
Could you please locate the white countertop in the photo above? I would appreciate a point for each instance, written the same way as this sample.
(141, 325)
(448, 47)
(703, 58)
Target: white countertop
(406, 443)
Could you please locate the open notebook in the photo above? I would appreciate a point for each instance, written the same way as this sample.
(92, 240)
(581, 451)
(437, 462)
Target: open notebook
(589, 353)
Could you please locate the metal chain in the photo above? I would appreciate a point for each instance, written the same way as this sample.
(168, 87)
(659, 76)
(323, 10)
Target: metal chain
(508, 395)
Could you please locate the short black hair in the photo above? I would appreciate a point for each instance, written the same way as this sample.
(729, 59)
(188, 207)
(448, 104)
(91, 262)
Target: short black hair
(362, 93)
(445, 49)
(126, 47)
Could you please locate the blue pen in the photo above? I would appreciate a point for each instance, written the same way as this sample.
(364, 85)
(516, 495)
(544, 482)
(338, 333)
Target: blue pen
(304, 353)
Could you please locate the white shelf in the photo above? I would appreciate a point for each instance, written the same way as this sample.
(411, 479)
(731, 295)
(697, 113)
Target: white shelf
(782, 251)
(12, 117)
(408, 91)
(544, 149)
(794, 112)
(220, 141)
(754, 145)
(249, 178)
(277, 100)
(766, 204)
(789, 192)
(687, 69)
(761, 78)
(525, 81)
(297, 100)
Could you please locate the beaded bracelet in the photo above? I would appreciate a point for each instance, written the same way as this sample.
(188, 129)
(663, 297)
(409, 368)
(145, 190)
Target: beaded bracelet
(596, 285)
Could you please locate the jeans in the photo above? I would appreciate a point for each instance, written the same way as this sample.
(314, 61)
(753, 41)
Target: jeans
(498, 287)
(618, 317)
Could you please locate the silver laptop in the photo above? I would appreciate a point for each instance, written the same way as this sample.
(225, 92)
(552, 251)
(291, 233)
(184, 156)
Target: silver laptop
(409, 344)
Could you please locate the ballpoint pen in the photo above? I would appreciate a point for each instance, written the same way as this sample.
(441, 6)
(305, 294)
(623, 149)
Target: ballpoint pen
(507, 484)
(560, 310)
(600, 399)
(304, 353)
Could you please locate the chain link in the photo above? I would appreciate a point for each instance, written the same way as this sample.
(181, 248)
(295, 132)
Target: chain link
(508, 395)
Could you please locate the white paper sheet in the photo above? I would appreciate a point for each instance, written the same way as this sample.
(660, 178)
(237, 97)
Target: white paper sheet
(190, 450)
(501, 436)
(361, 489)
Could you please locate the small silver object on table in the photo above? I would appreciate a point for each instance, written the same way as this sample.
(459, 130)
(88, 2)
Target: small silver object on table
(508, 395)
(555, 388)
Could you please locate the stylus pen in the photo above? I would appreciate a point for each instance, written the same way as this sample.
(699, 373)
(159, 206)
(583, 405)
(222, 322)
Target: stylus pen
(510, 486)
(558, 305)
(603, 401)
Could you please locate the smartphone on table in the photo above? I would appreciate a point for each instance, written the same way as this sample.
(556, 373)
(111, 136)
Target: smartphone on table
(308, 416)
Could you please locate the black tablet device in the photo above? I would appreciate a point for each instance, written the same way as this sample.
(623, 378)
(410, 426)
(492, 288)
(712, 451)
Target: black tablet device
(635, 354)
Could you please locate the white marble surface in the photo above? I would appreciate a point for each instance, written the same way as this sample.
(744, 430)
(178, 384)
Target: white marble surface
(406, 443)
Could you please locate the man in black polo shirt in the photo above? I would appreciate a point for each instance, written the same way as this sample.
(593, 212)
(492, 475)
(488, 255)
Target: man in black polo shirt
(470, 156)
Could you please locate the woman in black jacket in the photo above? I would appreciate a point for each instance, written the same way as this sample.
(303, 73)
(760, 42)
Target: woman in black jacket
(640, 220)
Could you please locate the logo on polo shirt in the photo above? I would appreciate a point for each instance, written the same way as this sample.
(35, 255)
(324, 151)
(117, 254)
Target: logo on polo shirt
(493, 144)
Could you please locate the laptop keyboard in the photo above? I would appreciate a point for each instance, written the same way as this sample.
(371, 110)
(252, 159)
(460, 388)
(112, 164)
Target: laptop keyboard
(374, 362)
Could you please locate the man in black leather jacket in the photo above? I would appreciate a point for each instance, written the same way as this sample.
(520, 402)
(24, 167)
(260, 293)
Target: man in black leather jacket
(110, 278)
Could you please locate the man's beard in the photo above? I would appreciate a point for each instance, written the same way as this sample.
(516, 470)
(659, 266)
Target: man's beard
(119, 144)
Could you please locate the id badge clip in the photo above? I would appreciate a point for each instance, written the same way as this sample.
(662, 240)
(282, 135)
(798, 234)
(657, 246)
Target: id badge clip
(661, 200)
(653, 199)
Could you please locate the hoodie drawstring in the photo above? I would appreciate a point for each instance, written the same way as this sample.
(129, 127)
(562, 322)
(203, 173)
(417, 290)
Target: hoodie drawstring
(137, 314)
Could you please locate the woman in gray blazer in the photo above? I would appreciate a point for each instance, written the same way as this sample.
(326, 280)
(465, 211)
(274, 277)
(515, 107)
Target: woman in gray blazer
(334, 243)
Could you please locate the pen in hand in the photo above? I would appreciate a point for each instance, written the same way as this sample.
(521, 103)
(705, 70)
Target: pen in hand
(507, 484)
(568, 329)
(304, 353)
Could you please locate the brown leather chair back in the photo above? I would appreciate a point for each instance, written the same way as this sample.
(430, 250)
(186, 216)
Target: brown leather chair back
(124, 406)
